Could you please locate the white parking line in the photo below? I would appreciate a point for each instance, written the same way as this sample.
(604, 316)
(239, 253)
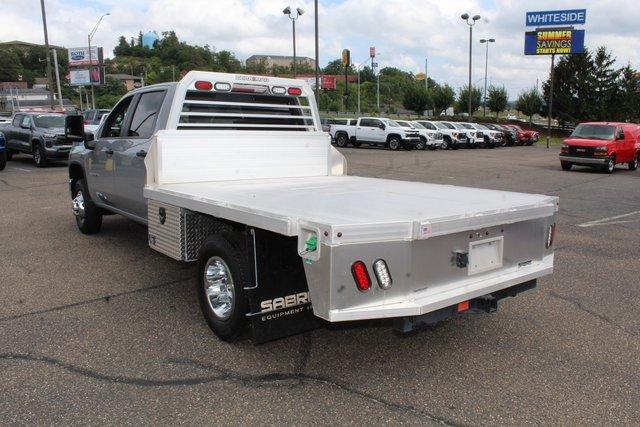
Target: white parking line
(20, 169)
(608, 220)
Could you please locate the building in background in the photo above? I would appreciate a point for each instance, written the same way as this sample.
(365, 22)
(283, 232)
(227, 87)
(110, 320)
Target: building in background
(129, 81)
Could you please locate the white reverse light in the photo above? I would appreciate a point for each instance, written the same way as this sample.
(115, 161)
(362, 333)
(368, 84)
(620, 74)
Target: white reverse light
(382, 274)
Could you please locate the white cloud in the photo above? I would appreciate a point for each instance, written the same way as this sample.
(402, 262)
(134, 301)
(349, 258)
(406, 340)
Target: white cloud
(404, 31)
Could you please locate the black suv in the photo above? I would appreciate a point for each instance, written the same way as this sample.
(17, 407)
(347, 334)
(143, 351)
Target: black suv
(38, 134)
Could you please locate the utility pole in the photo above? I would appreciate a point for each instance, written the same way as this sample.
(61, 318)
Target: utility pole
(46, 45)
(55, 64)
(465, 17)
(550, 103)
(80, 93)
(486, 65)
(426, 74)
(315, 6)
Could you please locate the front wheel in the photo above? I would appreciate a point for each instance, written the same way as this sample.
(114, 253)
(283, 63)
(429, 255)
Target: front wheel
(566, 166)
(446, 144)
(88, 215)
(610, 166)
(39, 155)
(223, 272)
(422, 144)
(633, 165)
(394, 143)
(3, 160)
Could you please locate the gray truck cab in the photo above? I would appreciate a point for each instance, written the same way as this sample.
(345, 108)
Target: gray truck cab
(113, 157)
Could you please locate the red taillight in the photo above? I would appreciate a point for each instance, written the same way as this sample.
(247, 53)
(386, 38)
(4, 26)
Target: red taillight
(295, 91)
(361, 276)
(203, 85)
(551, 235)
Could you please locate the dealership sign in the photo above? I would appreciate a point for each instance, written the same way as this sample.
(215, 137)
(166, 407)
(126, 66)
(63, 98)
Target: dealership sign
(79, 77)
(556, 18)
(79, 56)
(554, 42)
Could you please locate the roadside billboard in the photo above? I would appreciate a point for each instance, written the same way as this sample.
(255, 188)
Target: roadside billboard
(79, 77)
(79, 56)
(554, 42)
(556, 18)
(328, 83)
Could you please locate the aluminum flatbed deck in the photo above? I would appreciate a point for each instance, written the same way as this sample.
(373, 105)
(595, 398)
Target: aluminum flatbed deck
(360, 209)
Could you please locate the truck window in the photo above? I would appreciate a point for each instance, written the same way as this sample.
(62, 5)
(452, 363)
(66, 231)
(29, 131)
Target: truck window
(26, 122)
(17, 120)
(143, 122)
(115, 121)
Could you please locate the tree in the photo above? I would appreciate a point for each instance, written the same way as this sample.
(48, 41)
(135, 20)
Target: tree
(443, 97)
(462, 104)
(628, 101)
(605, 85)
(11, 67)
(529, 102)
(497, 99)
(416, 98)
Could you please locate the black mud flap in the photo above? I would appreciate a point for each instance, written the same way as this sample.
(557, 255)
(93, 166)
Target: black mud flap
(279, 298)
(484, 304)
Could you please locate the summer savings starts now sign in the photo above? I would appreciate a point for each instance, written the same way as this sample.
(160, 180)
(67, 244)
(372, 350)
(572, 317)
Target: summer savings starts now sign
(562, 39)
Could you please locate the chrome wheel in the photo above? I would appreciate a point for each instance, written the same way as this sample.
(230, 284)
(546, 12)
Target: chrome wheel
(394, 144)
(610, 165)
(36, 156)
(78, 205)
(218, 287)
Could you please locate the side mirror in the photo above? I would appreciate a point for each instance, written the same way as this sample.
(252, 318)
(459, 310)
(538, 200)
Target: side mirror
(382, 126)
(620, 135)
(74, 128)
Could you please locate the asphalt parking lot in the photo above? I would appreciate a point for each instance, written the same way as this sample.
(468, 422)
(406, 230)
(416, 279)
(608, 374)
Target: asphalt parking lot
(101, 329)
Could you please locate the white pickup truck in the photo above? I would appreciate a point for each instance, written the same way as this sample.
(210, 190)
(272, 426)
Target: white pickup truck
(233, 172)
(375, 131)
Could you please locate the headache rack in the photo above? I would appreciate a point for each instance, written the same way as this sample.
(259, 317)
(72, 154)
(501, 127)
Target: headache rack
(245, 111)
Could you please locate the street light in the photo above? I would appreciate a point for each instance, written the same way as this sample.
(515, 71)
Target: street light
(89, 37)
(465, 17)
(287, 11)
(486, 62)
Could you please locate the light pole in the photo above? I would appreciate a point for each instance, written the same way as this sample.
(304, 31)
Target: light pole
(317, 46)
(287, 11)
(89, 37)
(470, 21)
(486, 65)
(46, 45)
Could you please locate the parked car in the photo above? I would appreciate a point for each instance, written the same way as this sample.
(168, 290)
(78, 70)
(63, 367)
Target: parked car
(326, 123)
(512, 117)
(427, 137)
(451, 137)
(524, 136)
(602, 145)
(375, 131)
(5, 121)
(469, 132)
(92, 117)
(3, 152)
(93, 128)
(491, 138)
(509, 135)
(38, 134)
(283, 238)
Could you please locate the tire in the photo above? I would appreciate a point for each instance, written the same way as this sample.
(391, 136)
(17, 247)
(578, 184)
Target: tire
(633, 165)
(9, 154)
(3, 160)
(394, 143)
(342, 140)
(566, 166)
(422, 144)
(447, 144)
(39, 155)
(610, 166)
(88, 215)
(219, 263)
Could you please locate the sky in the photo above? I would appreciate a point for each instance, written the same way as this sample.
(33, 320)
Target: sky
(404, 32)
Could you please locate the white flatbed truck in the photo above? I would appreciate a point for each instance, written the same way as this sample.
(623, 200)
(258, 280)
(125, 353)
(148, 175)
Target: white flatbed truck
(284, 238)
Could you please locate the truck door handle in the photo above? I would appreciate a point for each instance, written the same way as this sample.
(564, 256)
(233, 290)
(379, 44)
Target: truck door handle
(141, 153)
(108, 152)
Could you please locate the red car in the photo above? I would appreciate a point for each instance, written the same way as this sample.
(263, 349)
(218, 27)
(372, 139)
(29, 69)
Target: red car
(602, 145)
(524, 136)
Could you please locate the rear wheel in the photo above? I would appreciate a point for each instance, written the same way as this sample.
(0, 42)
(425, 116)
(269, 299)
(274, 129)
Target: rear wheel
(566, 165)
(422, 144)
(633, 165)
(610, 165)
(341, 140)
(223, 272)
(88, 215)
(39, 155)
(394, 143)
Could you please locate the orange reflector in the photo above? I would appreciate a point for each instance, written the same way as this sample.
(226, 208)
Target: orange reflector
(463, 306)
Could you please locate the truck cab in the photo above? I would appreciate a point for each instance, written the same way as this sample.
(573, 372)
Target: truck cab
(602, 145)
